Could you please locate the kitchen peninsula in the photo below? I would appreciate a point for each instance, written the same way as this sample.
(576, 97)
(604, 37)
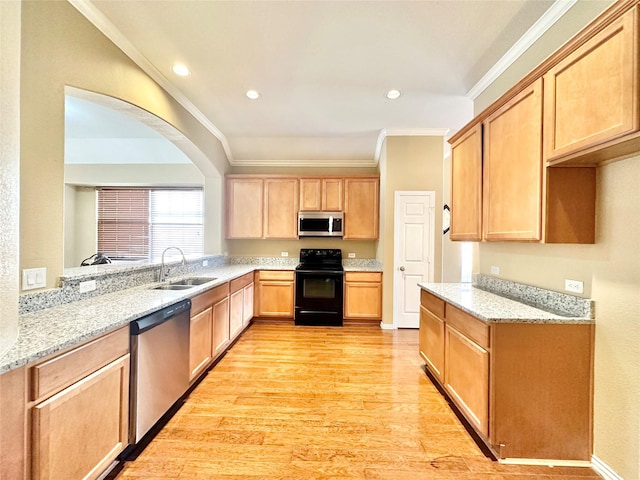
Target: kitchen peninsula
(519, 373)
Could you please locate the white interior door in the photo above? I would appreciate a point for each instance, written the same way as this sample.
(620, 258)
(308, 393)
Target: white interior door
(414, 228)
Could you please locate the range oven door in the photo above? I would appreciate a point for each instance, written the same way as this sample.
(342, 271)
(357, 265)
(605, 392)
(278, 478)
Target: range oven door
(319, 297)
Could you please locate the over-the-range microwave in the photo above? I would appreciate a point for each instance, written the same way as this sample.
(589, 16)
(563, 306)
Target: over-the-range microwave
(320, 224)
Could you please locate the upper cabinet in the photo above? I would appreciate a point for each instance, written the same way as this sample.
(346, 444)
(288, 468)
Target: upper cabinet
(267, 206)
(466, 186)
(280, 208)
(244, 207)
(579, 108)
(321, 194)
(261, 207)
(591, 95)
(361, 207)
(513, 168)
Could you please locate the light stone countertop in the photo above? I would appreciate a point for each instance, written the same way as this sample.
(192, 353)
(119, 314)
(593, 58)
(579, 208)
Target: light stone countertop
(494, 308)
(53, 329)
(50, 330)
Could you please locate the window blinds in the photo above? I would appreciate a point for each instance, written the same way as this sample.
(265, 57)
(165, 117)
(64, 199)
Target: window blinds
(139, 223)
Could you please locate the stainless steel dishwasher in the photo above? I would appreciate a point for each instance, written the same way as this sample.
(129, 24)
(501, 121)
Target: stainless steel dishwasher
(160, 365)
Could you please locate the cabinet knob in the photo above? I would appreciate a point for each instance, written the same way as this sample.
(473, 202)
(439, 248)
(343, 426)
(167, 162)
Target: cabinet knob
(402, 269)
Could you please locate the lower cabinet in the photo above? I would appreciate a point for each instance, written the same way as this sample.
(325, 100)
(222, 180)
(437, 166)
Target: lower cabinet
(247, 310)
(80, 424)
(525, 388)
(276, 293)
(240, 304)
(200, 341)
(432, 342)
(363, 295)
(220, 326)
(467, 377)
(209, 328)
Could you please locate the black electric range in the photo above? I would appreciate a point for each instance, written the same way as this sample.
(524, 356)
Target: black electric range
(319, 287)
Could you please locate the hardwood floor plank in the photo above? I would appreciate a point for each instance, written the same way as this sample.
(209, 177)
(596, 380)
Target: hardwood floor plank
(320, 403)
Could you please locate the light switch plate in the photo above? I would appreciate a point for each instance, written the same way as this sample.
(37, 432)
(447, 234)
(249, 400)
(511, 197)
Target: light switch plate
(495, 270)
(34, 278)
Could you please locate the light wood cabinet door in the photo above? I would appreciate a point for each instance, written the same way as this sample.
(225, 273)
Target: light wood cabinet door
(332, 194)
(310, 194)
(363, 295)
(200, 341)
(466, 187)
(276, 294)
(281, 208)
(431, 342)
(236, 312)
(513, 168)
(78, 432)
(247, 311)
(244, 207)
(361, 208)
(466, 377)
(591, 96)
(220, 326)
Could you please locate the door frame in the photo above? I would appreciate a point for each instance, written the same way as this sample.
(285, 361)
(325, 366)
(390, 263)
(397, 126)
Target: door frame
(431, 195)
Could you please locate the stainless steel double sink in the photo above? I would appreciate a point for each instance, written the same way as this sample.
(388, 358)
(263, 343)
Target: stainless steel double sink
(185, 283)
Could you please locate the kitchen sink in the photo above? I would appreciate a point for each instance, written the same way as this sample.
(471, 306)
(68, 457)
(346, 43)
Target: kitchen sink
(185, 283)
(170, 286)
(192, 281)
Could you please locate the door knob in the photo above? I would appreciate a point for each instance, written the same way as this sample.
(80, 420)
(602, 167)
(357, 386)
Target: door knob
(402, 269)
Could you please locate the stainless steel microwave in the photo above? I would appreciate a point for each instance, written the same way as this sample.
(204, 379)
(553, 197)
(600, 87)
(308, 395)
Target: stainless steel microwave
(320, 224)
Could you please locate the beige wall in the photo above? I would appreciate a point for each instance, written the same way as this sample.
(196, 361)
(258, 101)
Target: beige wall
(410, 163)
(9, 171)
(610, 270)
(60, 47)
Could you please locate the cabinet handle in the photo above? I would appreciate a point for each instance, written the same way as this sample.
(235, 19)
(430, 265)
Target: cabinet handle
(402, 269)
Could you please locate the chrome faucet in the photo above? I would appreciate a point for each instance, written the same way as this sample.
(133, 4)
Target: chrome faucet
(164, 274)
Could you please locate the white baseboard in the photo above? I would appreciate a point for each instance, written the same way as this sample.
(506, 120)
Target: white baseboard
(545, 462)
(387, 326)
(604, 470)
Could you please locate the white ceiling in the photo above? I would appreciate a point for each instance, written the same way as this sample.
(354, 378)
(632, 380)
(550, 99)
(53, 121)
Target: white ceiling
(322, 67)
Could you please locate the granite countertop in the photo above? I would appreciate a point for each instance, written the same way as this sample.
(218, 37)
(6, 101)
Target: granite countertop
(493, 308)
(53, 329)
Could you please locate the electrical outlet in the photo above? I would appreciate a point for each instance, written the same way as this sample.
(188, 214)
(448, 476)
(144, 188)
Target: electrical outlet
(205, 263)
(351, 255)
(284, 254)
(34, 278)
(88, 286)
(495, 270)
(575, 286)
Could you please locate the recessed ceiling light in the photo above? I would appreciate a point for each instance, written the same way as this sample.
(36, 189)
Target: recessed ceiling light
(253, 94)
(181, 70)
(393, 94)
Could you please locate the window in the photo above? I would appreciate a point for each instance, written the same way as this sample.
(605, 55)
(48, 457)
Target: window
(139, 223)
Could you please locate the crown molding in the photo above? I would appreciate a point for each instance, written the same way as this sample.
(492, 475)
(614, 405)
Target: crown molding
(91, 13)
(405, 132)
(317, 163)
(546, 21)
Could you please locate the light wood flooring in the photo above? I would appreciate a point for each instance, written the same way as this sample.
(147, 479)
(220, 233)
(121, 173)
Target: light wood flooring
(311, 403)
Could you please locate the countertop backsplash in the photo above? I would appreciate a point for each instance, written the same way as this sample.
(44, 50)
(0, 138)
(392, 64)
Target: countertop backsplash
(549, 300)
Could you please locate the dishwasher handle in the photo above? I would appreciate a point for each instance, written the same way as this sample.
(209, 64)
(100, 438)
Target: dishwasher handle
(143, 324)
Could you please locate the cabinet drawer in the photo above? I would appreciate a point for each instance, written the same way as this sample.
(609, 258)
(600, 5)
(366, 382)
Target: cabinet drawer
(363, 277)
(58, 373)
(203, 301)
(432, 303)
(286, 275)
(240, 282)
(475, 329)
